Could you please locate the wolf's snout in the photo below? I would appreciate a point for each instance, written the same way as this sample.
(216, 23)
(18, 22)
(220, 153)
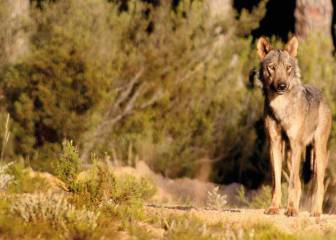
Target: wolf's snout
(282, 87)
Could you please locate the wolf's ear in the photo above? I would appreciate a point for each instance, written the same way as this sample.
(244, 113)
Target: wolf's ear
(263, 47)
(292, 46)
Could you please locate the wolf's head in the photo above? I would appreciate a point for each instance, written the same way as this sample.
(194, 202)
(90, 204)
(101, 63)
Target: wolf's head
(279, 71)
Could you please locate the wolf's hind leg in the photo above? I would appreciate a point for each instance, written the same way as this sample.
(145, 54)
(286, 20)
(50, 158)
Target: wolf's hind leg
(320, 164)
(321, 137)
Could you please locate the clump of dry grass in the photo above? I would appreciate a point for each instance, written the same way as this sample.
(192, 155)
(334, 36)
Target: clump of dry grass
(5, 138)
(216, 200)
(5, 178)
(53, 208)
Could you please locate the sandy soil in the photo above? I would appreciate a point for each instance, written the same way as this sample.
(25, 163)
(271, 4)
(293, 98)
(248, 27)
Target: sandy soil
(248, 217)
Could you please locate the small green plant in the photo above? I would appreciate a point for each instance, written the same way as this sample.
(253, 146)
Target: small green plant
(261, 199)
(127, 189)
(128, 197)
(67, 166)
(96, 187)
(122, 196)
(216, 200)
(102, 185)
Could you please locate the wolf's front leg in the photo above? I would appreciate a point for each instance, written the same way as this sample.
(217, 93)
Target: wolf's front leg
(294, 188)
(276, 155)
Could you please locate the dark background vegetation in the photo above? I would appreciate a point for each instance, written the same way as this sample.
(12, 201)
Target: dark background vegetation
(165, 81)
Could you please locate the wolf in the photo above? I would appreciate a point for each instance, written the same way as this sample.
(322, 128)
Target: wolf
(297, 120)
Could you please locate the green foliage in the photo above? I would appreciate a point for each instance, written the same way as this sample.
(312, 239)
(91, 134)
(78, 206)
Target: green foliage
(182, 108)
(261, 198)
(170, 83)
(250, 21)
(128, 189)
(119, 196)
(52, 91)
(67, 166)
(96, 187)
(129, 196)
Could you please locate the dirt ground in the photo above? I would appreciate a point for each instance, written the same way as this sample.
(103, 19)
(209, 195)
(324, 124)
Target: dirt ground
(168, 201)
(178, 197)
(302, 223)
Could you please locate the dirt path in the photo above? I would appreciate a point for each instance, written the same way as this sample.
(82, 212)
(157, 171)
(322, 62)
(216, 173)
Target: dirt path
(196, 193)
(249, 217)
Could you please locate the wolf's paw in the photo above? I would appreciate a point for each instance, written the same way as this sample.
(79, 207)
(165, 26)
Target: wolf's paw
(272, 211)
(291, 212)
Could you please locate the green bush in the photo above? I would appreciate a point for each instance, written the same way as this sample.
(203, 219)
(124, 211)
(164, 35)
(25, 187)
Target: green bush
(168, 82)
(95, 187)
(67, 166)
(100, 187)
(52, 91)
(189, 99)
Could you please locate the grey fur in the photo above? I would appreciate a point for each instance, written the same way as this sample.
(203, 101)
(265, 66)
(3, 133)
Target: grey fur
(296, 117)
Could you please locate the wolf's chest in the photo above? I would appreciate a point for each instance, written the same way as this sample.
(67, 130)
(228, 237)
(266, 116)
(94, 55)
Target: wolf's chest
(281, 107)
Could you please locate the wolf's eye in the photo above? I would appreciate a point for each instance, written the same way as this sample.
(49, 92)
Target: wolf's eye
(289, 68)
(271, 68)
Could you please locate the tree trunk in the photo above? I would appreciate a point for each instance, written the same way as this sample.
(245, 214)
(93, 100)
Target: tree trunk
(220, 8)
(15, 19)
(313, 16)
